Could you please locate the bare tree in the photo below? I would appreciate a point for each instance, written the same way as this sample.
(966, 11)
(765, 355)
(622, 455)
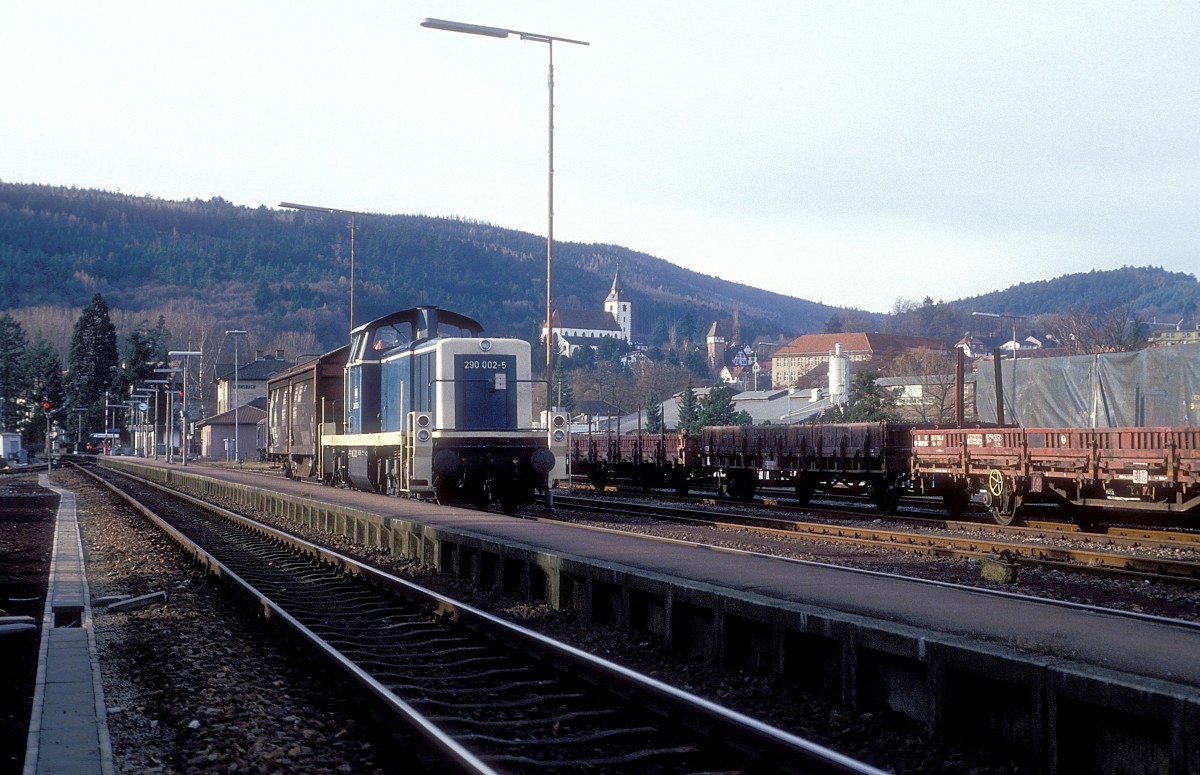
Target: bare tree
(931, 373)
(1086, 333)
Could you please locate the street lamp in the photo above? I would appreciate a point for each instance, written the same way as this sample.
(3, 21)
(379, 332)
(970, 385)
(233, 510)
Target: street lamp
(352, 214)
(500, 32)
(187, 364)
(1016, 348)
(235, 333)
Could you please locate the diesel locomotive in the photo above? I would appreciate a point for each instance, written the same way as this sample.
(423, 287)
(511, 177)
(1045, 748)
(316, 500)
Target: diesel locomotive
(419, 404)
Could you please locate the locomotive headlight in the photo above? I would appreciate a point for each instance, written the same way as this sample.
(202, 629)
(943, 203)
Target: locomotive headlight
(485, 345)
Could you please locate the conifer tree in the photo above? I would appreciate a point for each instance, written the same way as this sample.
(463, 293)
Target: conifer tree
(689, 411)
(654, 413)
(145, 350)
(43, 383)
(866, 401)
(564, 394)
(716, 408)
(92, 362)
(12, 378)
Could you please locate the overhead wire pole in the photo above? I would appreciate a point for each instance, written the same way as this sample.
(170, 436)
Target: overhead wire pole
(171, 412)
(501, 32)
(1016, 348)
(353, 214)
(235, 333)
(187, 363)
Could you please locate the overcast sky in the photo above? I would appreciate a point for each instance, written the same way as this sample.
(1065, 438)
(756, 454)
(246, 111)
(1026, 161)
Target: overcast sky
(842, 152)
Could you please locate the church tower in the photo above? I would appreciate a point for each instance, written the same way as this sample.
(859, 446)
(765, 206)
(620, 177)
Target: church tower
(716, 347)
(619, 307)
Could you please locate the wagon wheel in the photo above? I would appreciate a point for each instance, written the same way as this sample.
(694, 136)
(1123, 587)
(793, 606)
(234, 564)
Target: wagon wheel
(956, 501)
(747, 485)
(1003, 498)
(679, 481)
(885, 495)
(805, 488)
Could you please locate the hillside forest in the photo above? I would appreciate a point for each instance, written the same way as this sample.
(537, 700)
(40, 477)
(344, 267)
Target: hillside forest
(175, 275)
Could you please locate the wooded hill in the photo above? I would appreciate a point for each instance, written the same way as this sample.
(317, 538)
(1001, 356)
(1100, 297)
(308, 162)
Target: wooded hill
(282, 270)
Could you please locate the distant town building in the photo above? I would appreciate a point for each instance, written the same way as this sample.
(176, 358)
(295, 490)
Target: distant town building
(1168, 338)
(794, 360)
(217, 433)
(973, 346)
(251, 379)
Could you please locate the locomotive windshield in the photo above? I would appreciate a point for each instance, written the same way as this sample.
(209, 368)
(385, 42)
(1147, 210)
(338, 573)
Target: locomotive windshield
(388, 337)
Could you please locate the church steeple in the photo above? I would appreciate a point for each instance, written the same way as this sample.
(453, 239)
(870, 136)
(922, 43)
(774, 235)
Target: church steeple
(619, 307)
(617, 289)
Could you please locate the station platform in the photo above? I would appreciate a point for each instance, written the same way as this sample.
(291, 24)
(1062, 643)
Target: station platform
(68, 728)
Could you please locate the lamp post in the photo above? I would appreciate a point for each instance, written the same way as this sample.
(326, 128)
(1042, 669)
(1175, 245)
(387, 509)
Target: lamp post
(157, 383)
(80, 445)
(352, 214)
(500, 32)
(187, 364)
(171, 411)
(1016, 348)
(235, 333)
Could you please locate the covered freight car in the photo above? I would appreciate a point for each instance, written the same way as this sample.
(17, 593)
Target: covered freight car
(300, 401)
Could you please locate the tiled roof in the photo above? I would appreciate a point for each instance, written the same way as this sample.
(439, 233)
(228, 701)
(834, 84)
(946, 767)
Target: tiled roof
(585, 319)
(811, 344)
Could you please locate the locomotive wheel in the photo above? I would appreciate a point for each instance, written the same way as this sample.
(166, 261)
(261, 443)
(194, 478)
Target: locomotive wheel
(445, 490)
(510, 499)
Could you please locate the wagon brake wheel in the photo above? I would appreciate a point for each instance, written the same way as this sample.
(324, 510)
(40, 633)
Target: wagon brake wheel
(995, 483)
(1002, 498)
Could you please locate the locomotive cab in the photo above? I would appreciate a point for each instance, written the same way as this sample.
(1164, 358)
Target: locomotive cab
(434, 409)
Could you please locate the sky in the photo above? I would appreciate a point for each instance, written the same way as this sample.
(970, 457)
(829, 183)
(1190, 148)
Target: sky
(850, 153)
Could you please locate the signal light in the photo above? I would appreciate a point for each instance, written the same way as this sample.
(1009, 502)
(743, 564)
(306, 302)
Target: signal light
(46, 404)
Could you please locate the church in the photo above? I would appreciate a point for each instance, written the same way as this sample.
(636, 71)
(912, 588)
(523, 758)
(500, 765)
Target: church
(574, 329)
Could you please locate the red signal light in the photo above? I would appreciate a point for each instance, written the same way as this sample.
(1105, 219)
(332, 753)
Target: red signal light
(46, 405)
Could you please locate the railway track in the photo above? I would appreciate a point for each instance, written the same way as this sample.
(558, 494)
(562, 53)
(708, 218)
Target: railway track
(1137, 554)
(472, 692)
